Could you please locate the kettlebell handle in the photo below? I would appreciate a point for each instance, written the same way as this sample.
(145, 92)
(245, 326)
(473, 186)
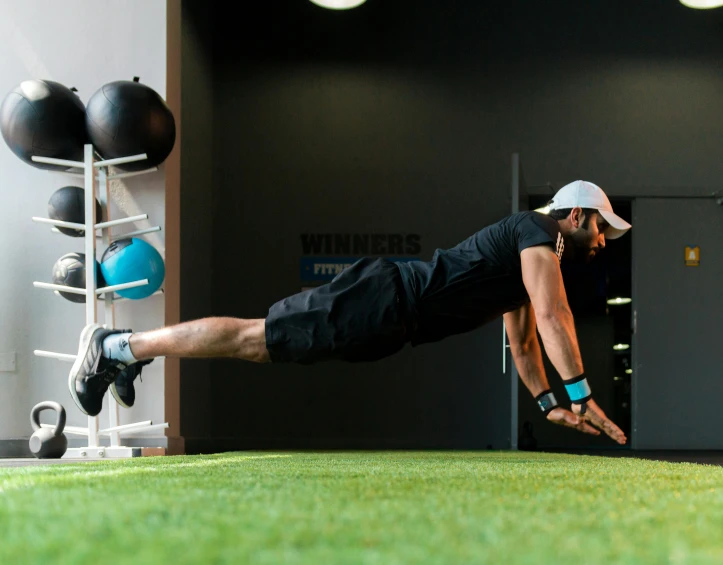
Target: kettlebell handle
(48, 405)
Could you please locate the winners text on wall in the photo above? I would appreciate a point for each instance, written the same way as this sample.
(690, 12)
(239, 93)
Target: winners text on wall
(361, 244)
(325, 255)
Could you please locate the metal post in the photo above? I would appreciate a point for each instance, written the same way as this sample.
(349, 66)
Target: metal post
(91, 302)
(91, 305)
(104, 197)
(514, 376)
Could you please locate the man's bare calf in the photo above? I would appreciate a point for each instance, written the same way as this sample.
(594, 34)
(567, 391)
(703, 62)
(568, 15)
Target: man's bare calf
(207, 337)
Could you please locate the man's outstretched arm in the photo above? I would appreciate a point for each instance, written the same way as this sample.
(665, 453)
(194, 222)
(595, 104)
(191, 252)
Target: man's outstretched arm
(526, 352)
(525, 348)
(543, 281)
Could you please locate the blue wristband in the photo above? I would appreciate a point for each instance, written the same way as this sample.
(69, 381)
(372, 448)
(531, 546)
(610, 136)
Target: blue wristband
(578, 390)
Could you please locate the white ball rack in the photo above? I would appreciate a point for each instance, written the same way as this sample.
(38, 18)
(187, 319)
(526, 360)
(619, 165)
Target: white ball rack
(96, 178)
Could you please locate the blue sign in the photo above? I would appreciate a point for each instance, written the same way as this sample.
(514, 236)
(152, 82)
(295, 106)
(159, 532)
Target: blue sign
(326, 268)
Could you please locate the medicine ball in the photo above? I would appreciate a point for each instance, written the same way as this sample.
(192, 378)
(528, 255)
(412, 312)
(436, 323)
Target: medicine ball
(69, 270)
(132, 259)
(45, 119)
(68, 205)
(127, 118)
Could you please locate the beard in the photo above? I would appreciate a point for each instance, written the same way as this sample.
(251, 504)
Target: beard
(579, 248)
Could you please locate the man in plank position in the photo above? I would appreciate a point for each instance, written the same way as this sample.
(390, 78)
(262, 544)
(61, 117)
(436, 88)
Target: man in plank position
(373, 308)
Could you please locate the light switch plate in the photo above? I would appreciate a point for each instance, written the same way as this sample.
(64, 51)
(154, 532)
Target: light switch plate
(7, 362)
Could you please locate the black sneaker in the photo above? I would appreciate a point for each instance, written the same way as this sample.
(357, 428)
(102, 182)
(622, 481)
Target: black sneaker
(92, 373)
(122, 388)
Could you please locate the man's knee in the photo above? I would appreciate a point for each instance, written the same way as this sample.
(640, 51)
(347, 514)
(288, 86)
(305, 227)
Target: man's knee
(252, 342)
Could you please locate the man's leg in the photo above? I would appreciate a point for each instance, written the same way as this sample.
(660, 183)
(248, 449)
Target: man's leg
(103, 355)
(358, 316)
(207, 337)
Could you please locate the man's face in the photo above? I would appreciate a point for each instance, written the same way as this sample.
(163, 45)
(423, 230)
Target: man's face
(587, 239)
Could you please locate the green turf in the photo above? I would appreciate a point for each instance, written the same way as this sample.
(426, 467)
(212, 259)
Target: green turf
(385, 508)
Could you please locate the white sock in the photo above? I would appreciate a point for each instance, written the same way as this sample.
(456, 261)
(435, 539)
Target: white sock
(117, 346)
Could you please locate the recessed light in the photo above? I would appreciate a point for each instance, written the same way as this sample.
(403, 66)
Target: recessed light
(339, 4)
(702, 4)
(543, 210)
(617, 301)
(628, 371)
(621, 346)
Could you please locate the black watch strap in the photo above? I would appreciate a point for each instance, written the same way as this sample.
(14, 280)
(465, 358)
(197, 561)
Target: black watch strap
(546, 401)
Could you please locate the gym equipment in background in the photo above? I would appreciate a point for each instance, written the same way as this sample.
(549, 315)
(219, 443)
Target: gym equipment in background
(69, 270)
(96, 184)
(50, 442)
(129, 118)
(132, 259)
(46, 119)
(97, 176)
(67, 204)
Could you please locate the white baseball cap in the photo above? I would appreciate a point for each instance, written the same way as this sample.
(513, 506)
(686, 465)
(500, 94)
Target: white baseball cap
(585, 194)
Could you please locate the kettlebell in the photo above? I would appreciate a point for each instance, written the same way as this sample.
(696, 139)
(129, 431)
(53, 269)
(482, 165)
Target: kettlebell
(527, 441)
(46, 443)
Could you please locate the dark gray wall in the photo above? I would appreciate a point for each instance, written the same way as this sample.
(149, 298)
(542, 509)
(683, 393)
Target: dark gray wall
(401, 116)
(436, 396)
(678, 359)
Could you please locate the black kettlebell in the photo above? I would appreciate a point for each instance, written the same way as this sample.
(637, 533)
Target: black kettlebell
(527, 441)
(46, 443)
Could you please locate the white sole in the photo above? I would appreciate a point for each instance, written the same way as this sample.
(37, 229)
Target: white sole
(114, 392)
(85, 336)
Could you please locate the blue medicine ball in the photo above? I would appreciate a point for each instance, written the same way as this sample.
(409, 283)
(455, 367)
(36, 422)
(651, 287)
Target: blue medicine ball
(132, 259)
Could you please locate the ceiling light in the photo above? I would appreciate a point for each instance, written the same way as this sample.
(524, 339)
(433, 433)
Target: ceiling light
(543, 210)
(621, 346)
(628, 371)
(702, 4)
(618, 301)
(338, 4)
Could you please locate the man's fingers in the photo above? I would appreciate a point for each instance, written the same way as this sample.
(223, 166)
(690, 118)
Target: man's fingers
(616, 433)
(587, 428)
(566, 418)
(607, 426)
(579, 423)
(589, 423)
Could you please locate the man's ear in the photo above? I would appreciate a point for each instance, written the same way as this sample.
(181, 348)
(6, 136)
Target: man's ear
(576, 217)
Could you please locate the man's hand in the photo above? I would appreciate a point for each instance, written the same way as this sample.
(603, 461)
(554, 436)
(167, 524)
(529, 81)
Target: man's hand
(597, 417)
(564, 417)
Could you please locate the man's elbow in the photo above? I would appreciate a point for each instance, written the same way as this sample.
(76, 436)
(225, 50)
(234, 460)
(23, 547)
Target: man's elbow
(552, 313)
(523, 348)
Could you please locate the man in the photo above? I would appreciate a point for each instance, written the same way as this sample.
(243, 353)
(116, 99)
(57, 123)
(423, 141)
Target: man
(373, 308)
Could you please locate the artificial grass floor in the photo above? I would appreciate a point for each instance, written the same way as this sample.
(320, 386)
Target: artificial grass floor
(379, 507)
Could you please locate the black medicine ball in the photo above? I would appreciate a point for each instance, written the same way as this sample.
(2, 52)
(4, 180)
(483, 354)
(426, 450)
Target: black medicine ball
(127, 118)
(68, 205)
(45, 119)
(69, 270)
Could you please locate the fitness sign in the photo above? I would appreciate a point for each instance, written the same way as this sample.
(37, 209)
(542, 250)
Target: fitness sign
(325, 255)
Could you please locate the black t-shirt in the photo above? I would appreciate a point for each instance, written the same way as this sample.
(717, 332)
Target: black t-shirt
(477, 281)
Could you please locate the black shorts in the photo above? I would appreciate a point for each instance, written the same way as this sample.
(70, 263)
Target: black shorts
(358, 316)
